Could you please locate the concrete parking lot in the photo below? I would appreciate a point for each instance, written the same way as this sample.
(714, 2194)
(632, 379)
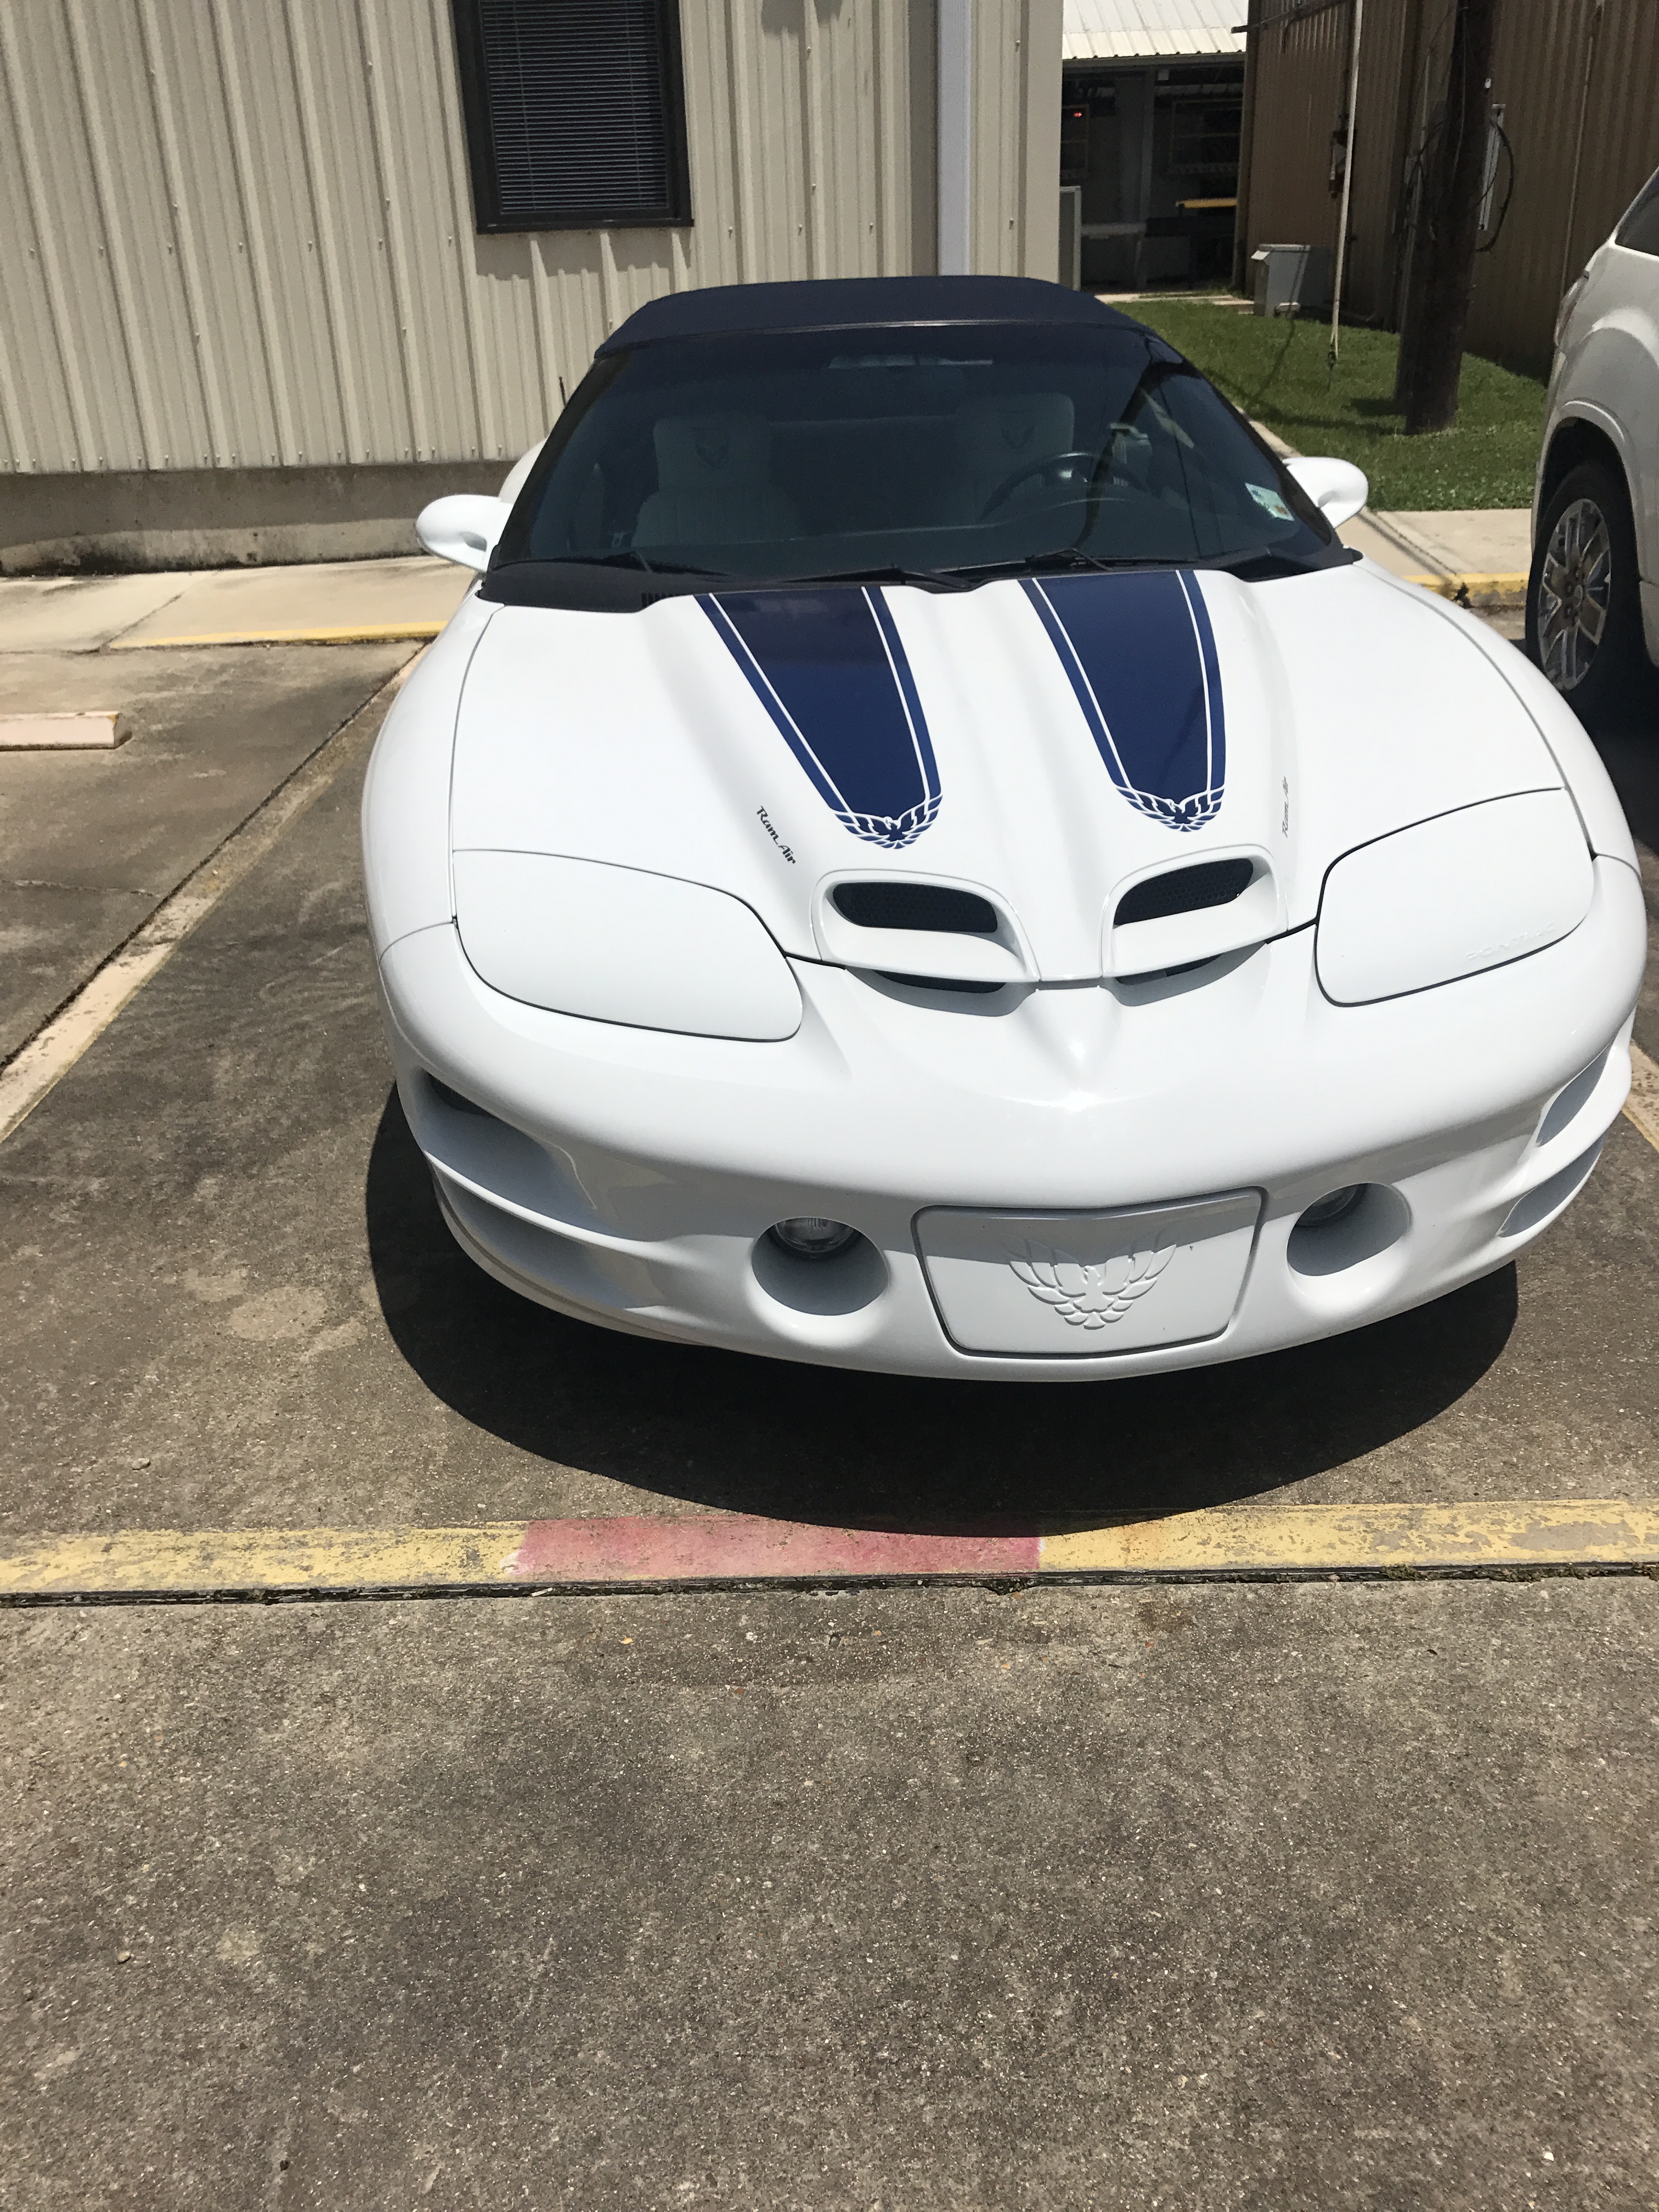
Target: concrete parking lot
(1190, 1894)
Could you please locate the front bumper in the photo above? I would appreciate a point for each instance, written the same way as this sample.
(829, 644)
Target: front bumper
(628, 1177)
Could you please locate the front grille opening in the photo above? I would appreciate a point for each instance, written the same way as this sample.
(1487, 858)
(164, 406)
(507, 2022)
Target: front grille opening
(454, 1101)
(916, 906)
(1185, 891)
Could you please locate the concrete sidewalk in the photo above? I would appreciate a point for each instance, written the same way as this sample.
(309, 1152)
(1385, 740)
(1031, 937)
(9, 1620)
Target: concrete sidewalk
(364, 602)
(1482, 554)
(1479, 554)
(321, 603)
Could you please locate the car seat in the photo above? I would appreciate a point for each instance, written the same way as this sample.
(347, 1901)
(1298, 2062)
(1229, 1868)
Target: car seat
(713, 485)
(997, 435)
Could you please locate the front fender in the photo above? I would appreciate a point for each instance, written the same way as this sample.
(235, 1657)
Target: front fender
(1619, 362)
(405, 814)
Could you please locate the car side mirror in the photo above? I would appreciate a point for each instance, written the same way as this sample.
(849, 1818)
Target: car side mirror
(1336, 487)
(463, 528)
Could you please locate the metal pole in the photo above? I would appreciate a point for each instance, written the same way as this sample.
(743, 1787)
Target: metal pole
(1578, 150)
(954, 133)
(1347, 184)
(1246, 145)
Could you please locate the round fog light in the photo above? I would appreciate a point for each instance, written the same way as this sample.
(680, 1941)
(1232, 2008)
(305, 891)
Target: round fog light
(810, 1236)
(1334, 1207)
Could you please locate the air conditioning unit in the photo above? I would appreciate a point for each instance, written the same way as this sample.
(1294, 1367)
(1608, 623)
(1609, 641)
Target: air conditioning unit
(1291, 280)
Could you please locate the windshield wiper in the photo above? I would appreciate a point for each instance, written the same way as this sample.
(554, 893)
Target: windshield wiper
(1255, 565)
(1063, 559)
(890, 572)
(630, 556)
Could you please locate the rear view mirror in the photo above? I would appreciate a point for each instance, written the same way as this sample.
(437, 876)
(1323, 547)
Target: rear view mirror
(463, 528)
(1336, 487)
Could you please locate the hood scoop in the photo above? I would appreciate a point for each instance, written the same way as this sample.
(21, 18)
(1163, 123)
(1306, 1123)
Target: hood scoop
(916, 927)
(963, 935)
(1185, 891)
(885, 904)
(1178, 917)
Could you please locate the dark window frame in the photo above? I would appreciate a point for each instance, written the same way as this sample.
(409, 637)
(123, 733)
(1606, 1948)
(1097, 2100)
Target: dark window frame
(674, 213)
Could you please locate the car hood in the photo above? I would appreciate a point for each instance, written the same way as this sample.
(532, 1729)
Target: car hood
(1046, 742)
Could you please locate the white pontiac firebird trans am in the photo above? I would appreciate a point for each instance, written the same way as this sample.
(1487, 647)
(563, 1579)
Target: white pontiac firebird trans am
(922, 851)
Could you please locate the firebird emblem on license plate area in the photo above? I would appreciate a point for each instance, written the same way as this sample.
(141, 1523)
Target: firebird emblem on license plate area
(1091, 1294)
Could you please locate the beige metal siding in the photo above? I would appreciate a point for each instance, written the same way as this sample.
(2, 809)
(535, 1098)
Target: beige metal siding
(1016, 170)
(238, 234)
(1538, 73)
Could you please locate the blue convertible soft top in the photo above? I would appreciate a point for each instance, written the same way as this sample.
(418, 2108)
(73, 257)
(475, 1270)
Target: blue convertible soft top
(858, 302)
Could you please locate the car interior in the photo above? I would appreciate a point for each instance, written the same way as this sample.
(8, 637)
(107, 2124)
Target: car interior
(863, 459)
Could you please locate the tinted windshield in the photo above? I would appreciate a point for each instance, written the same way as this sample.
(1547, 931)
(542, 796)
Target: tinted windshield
(943, 449)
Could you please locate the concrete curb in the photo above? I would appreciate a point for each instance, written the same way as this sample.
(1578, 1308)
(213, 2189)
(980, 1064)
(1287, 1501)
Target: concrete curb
(630, 1552)
(1468, 588)
(346, 634)
(1477, 590)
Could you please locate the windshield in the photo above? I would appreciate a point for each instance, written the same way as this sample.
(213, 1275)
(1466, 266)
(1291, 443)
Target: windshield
(938, 452)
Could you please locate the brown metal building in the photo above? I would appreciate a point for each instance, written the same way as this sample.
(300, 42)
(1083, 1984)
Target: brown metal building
(1575, 131)
(1149, 134)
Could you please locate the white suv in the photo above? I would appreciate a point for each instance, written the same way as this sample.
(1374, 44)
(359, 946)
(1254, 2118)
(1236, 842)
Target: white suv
(1593, 595)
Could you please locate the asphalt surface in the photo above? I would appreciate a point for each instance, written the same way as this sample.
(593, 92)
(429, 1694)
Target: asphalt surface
(1203, 1898)
(1223, 1898)
(91, 843)
(233, 1302)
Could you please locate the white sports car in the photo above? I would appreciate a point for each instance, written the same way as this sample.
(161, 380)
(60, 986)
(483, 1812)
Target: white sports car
(922, 851)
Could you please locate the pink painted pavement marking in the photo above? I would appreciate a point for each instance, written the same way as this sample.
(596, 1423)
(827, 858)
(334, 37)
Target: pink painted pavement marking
(737, 1547)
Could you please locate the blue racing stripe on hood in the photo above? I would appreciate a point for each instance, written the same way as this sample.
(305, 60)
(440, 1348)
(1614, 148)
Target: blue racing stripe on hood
(829, 669)
(1141, 655)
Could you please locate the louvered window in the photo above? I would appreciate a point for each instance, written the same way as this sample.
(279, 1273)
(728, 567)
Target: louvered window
(576, 113)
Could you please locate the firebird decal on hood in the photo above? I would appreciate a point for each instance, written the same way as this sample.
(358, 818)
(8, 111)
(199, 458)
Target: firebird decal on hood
(829, 669)
(1141, 655)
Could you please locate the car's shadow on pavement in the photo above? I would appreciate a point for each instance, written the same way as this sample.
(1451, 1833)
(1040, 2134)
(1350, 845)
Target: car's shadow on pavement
(821, 1444)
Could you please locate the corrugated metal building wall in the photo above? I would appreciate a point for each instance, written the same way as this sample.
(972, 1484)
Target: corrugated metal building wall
(1298, 94)
(237, 236)
(1016, 137)
(1555, 62)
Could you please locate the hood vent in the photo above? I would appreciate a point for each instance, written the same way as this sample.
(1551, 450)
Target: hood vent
(1183, 917)
(916, 906)
(1185, 891)
(935, 932)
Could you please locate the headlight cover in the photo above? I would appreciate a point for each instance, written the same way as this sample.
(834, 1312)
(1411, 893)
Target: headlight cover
(621, 945)
(1449, 897)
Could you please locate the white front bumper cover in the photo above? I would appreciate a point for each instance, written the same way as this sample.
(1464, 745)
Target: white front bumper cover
(628, 1176)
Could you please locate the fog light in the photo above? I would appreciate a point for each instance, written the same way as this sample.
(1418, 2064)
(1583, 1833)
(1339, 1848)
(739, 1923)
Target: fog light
(810, 1237)
(1335, 1206)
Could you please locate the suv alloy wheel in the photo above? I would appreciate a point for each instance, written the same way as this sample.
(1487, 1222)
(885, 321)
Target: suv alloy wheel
(1584, 612)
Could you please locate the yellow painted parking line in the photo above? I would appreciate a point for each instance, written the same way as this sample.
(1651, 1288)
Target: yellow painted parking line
(346, 634)
(626, 1551)
(1642, 1106)
(1371, 1539)
(213, 1560)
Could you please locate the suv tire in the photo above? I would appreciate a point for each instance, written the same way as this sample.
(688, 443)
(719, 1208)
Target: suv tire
(1583, 603)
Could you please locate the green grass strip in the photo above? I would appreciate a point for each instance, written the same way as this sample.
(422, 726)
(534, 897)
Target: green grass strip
(1276, 371)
